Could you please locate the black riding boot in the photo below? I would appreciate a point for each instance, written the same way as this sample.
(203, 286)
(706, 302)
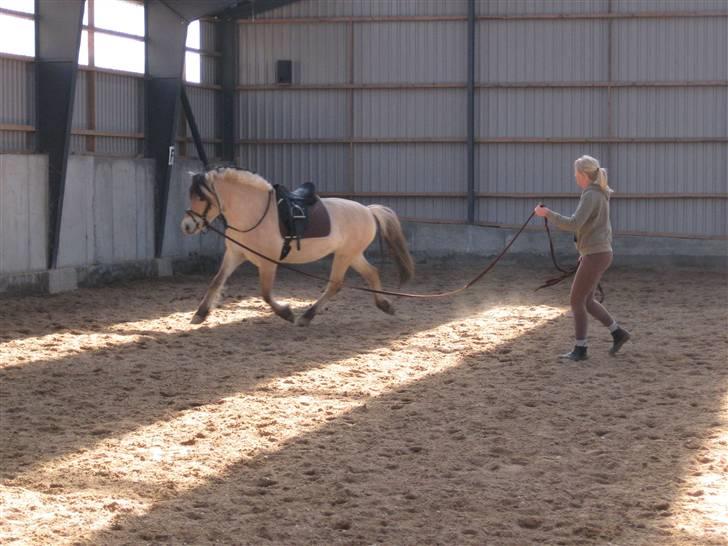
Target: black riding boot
(620, 337)
(579, 353)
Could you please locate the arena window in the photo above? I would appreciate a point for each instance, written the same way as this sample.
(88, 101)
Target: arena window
(192, 58)
(17, 28)
(114, 35)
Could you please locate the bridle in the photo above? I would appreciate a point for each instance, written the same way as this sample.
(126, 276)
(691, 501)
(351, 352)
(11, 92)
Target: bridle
(201, 221)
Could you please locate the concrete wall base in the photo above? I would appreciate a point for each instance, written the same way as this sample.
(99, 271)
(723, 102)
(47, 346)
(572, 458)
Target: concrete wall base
(445, 241)
(428, 242)
(69, 278)
(62, 280)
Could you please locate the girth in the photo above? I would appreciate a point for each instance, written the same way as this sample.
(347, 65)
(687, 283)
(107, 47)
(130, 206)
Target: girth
(301, 215)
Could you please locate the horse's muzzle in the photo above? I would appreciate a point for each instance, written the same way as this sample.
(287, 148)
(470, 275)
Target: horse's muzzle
(190, 225)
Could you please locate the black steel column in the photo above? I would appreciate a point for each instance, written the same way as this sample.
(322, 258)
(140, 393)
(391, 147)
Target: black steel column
(57, 41)
(166, 33)
(471, 112)
(227, 32)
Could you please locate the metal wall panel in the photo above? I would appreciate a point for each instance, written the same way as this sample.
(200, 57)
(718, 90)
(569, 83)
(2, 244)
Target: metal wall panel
(570, 112)
(531, 7)
(637, 6)
(369, 8)
(668, 112)
(14, 141)
(443, 209)
(541, 51)
(669, 168)
(318, 52)
(412, 52)
(293, 114)
(16, 99)
(209, 69)
(671, 49)
(530, 168)
(409, 114)
(119, 103)
(291, 165)
(80, 102)
(121, 147)
(515, 50)
(410, 168)
(204, 107)
(207, 36)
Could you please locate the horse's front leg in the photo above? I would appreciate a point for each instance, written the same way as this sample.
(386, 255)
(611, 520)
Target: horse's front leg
(267, 273)
(336, 280)
(230, 262)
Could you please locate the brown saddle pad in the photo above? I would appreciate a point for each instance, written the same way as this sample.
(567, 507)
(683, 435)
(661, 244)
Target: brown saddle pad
(319, 222)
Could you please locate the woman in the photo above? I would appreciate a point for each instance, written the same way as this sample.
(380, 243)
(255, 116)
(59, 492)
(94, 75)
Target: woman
(593, 235)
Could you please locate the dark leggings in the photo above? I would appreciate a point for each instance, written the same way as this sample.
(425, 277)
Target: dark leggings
(591, 269)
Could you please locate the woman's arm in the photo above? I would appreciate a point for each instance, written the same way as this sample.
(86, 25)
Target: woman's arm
(586, 207)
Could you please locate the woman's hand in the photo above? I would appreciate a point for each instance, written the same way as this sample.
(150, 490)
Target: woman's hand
(541, 211)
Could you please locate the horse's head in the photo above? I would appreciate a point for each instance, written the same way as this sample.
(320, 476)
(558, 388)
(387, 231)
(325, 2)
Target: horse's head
(204, 204)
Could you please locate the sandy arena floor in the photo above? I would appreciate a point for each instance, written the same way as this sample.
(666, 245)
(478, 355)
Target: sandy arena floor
(450, 423)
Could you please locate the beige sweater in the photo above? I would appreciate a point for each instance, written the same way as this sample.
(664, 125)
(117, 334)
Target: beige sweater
(590, 222)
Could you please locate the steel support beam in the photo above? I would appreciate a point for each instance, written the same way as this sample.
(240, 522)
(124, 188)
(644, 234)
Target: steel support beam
(227, 33)
(57, 41)
(471, 112)
(166, 33)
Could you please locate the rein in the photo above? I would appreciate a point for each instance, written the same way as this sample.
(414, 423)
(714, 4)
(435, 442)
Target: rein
(566, 273)
(449, 293)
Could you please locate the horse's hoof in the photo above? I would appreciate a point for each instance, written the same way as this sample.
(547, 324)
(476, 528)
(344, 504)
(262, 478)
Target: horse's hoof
(197, 319)
(386, 306)
(287, 314)
(303, 322)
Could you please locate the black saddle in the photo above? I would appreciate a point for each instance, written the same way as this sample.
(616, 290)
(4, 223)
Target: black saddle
(301, 215)
(305, 193)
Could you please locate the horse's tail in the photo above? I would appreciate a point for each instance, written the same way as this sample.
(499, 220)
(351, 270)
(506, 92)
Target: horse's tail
(391, 230)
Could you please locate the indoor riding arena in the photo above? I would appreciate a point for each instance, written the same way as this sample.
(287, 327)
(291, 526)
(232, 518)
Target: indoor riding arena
(168, 377)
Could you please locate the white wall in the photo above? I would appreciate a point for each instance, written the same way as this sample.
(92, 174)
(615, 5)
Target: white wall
(108, 213)
(23, 212)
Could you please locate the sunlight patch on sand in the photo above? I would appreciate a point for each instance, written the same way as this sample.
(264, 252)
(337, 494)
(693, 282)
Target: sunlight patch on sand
(201, 444)
(701, 509)
(77, 341)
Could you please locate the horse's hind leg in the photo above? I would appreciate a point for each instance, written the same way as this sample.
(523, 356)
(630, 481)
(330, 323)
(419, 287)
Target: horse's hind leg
(267, 273)
(336, 279)
(230, 262)
(371, 275)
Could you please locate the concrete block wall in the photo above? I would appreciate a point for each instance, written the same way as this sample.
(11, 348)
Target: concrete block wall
(108, 211)
(23, 212)
(108, 214)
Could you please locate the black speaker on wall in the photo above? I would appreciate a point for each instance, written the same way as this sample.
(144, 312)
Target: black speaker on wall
(284, 71)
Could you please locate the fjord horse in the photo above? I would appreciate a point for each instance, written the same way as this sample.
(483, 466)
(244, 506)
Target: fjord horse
(247, 203)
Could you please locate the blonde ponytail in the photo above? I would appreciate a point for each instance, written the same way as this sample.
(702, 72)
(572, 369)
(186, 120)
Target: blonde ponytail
(602, 181)
(590, 166)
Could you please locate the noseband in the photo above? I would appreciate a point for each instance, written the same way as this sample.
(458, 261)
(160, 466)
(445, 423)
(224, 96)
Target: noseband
(201, 221)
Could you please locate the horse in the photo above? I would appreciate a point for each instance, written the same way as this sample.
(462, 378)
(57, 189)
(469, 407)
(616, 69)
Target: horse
(246, 201)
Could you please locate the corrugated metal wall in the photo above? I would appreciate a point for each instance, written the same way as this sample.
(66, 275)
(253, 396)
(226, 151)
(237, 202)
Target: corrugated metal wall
(17, 104)
(379, 101)
(115, 101)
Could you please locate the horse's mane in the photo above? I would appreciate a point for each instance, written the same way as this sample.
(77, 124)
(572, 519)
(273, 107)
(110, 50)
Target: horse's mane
(243, 178)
